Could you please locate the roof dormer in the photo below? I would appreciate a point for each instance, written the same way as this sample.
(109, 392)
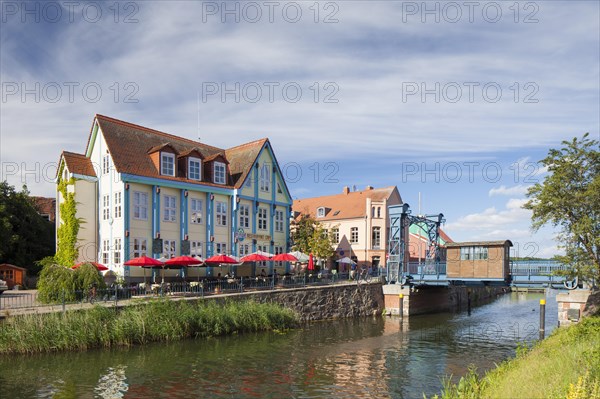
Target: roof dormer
(322, 211)
(190, 164)
(216, 169)
(163, 157)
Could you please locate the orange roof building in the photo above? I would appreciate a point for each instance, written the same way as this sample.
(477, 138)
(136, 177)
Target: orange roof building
(142, 191)
(359, 220)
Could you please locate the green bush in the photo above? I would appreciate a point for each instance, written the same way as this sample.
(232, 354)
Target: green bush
(58, 283)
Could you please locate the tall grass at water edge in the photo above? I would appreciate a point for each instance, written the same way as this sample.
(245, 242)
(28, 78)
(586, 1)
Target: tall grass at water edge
(160, 320)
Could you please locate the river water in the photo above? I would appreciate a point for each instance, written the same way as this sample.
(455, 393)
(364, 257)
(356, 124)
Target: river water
(360, 358)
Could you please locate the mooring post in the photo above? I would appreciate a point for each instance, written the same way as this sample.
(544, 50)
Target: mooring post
(401, 305)
(542, 318)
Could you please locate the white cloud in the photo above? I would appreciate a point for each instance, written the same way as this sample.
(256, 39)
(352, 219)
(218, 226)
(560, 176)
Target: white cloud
(503, 190)
(512, 222)
(369, 55)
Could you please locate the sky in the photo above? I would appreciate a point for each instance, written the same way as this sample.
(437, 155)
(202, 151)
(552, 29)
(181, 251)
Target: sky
(453, 102)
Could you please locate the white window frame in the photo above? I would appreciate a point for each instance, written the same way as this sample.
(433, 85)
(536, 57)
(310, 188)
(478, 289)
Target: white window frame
(244, 216)
(221, 213)
(106, 164)
(221, 248)
(117, 251)
(354, 235)
(169, 248)
(480, 253)
(196, 212)
(167, 156)
(117, 204)
(466, 253)
(196, 248)
(376, 239)
(140, 247)
(243, 249)
(169, 209)
(106, 207)
(140, 205)
(105, 251)
(262, 218)
(279, 222)
(335, 232)
(219, 173)
(265, 178)
(321, 212)
(199, 162)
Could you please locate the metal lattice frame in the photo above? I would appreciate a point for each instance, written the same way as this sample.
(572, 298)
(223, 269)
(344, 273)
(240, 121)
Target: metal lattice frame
(400, 222)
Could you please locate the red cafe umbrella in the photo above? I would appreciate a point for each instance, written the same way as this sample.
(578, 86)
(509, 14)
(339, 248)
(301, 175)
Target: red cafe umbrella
(99, 266)
(144, 261)
(221, 259)
(183, 261)
(285, 258)
(311, 262)
(254, 258)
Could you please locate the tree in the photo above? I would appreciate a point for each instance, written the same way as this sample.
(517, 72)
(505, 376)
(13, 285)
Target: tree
(25, 236)
(569, 198)
(321, 242)
(311, 237)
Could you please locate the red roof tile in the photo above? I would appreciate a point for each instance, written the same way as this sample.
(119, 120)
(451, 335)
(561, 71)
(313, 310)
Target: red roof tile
(129, 144)
(78, 164)
(45, 206)
(344, 206)
(241, 159)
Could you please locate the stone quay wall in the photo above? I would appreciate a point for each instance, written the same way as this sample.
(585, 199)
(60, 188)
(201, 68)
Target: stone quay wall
(325, 302)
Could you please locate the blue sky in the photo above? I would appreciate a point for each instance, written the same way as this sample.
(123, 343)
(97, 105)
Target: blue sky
(453, 101)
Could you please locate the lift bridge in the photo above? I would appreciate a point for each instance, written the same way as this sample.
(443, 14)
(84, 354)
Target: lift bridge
(432, 270)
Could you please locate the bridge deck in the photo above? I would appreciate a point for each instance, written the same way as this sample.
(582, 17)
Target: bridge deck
(522, 274)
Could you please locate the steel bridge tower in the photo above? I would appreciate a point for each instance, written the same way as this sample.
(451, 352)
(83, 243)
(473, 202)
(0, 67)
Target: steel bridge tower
(398, 250)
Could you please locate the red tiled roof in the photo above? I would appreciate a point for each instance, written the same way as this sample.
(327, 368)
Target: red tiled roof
(241, 159)
(129, 144)
(78, 164)
(45, 206)
(344, 206)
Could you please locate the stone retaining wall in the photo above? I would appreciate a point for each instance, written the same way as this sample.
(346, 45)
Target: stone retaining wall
(573, 305)
(431, 299)
(321, 302)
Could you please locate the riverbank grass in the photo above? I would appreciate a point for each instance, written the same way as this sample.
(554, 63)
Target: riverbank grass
(160, 320)
(565, 365)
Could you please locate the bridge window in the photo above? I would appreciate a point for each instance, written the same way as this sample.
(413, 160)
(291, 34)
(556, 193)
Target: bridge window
(473, 253)
(480, 253)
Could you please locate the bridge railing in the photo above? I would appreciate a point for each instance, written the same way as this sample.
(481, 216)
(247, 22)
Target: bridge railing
(426, 268)
(535, 267)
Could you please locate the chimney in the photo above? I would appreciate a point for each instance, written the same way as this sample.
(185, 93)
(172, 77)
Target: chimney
(346, 190)
(369, 188)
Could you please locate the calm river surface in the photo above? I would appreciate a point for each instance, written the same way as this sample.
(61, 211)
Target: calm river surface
(362, 358)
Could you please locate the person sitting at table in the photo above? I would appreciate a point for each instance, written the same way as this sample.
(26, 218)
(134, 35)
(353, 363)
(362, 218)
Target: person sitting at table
(263, 273)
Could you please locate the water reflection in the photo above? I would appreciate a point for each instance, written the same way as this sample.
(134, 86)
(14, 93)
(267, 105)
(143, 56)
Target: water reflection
(368, 358)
